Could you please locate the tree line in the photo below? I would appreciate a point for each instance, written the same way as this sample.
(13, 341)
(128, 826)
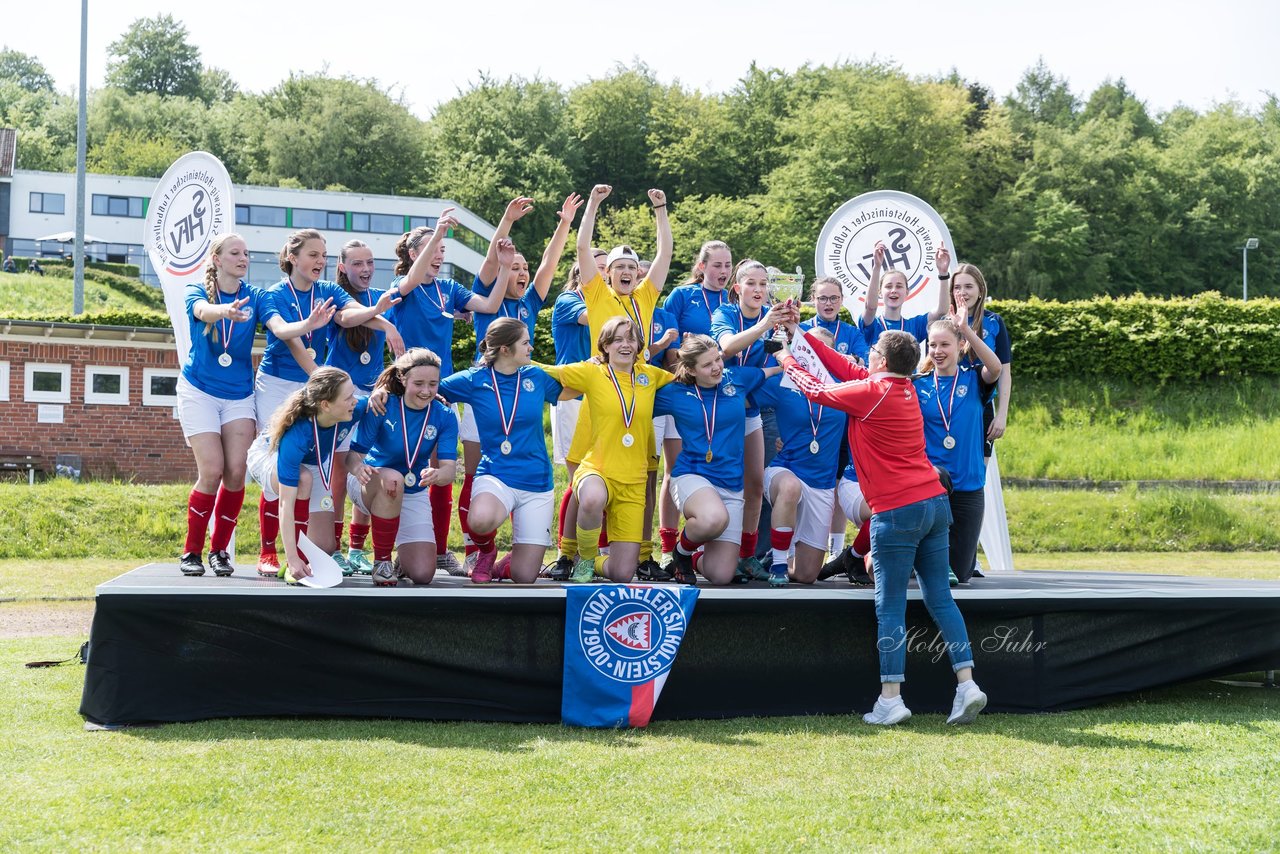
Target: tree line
(1053, 194)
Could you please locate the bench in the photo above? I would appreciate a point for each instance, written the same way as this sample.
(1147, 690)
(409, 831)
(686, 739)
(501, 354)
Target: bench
(11, 460)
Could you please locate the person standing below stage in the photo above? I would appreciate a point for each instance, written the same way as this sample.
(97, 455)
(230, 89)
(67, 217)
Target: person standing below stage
(619, 395)
(709, 405)
(911, 516)
(521, 302)
(425, 317)
(390, 468)
(215, 393)
(507, 395)
(952, 398)
(891, 287)
(693, 305)
(359, 352)
(287, 363)
(740, 327)
(293, 458)
(800, 481)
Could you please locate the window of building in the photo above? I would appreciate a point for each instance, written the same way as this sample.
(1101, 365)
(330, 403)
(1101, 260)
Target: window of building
(50, 203)
(421, 221)
(260, 215)
(130, 206)
(4, 380)
(47, 383)
(359, 222)
(324, 220)
(106, 384)
(159, 387)
(386, 223)
(469, 239)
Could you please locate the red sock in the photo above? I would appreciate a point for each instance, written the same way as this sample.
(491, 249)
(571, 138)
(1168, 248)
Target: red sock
(441, 498)
(686, 545)
(697, 559)
(749, 541)
(668, 537)
(484, 542)
(780, 538)
(358, 534)
(564, 511)
(384, 536)
(862, 542)
(199, 508)
(301, 515)
(226, 512)
(337, 533)
(464, 507)
(269, 522)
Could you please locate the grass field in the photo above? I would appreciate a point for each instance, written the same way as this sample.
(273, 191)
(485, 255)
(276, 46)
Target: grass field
(26, 295)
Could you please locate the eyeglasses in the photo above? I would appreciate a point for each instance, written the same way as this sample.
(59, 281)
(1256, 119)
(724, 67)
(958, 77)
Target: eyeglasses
(877, 351)
(827, 299)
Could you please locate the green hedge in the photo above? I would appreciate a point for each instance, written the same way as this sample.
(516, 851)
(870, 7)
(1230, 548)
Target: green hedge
(141, 292)
(1144, 339)
(130, 271)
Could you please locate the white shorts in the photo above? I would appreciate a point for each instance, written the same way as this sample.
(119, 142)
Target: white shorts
(201, 412)
(753, 424)
(664, 427)
(564, 420)
(684, 487)
(262, 469)
(415, 513)
(268, 393)
(530, 511)
(851, 501)
(813, 515)
(467, 429)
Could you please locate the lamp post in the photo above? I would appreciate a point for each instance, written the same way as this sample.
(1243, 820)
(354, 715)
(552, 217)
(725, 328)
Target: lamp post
(1251, 243)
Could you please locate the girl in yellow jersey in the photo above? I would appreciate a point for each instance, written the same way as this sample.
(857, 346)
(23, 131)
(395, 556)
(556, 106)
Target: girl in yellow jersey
(619, 395)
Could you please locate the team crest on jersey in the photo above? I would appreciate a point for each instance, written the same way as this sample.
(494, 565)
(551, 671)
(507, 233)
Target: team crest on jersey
(962, 391)
(524, 313)
(527, 384)
(657, 330)
(642, 381)
(342, 434)
(730, 389)
(431, 431)
(842, 347)
(632, 634)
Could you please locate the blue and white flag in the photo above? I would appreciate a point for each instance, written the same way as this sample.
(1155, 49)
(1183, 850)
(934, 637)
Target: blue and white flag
(620, 641)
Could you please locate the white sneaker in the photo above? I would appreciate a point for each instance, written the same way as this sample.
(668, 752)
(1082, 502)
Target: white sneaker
(968, 702)
(887, 714)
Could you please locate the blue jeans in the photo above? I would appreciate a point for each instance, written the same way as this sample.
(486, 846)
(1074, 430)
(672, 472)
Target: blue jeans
(914, 536)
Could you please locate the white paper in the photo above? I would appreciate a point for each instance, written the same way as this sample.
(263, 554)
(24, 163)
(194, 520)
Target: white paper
(808, 360)
(324, 571)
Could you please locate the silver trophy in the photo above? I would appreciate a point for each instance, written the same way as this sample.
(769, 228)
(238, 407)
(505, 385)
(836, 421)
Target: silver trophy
(783, 287)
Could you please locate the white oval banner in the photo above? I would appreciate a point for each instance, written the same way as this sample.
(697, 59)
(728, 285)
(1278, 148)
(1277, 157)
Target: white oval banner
(193, 203)
(911, 230)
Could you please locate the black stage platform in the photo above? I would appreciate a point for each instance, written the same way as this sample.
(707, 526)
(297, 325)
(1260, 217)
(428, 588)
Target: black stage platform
(168, 648)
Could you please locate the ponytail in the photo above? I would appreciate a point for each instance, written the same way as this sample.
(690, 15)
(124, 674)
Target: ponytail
(325, 384)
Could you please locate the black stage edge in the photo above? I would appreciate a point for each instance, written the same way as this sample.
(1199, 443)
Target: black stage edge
(168, 648)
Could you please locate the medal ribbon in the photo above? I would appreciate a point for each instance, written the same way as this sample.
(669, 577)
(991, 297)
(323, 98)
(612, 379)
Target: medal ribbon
(814, 425)
(706, 299)
(502, 414)
(226, 325)
(404, 419)
(901, 322)
(643, 328)
(946, 416)
(627, 414)
(710, 423)
(325, 475)
(311, 306)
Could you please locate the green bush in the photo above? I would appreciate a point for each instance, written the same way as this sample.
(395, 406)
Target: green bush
(108, 318)
(138, 290)
(1144, 339)
(129, 271)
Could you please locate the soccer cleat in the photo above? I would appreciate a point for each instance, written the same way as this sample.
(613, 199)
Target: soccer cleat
(384, 574)
(220, 563)
(649, 570)
(584, 571)
(561, 569)
(886, 714)
(448, 562)
(753, 569)
(358, 560)
(968, 702)
(341, 560)
(269, 564)
(778, 575)
(859, 573)
(838, 565)
(951, 578)
(191, 564)
(681, 568)
(482, 571)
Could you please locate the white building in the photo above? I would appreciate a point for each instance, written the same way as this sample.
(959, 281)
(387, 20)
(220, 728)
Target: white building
(41, 204)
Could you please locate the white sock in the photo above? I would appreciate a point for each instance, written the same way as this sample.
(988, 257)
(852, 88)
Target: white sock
(890, 701)
(780, 555)
(835, 544)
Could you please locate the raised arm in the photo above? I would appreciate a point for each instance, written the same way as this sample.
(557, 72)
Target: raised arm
(586, 231)
(418, 271)
(662, 258)
(516, 209)
(944, 284)
(873, 286)
(990, 361)
(551, 255)
(490, 304)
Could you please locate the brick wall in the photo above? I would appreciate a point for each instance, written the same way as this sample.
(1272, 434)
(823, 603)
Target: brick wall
(133, 442)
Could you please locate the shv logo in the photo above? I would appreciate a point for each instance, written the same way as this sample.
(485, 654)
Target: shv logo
(191, 227)
(191, 206)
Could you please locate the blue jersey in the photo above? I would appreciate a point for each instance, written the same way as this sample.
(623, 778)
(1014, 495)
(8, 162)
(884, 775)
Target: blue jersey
(800, 424)
(202, 369)
(382, 438)
(730, 321)
(298, 446)
(527, 466)
(849, 339)
(571, 338)
(918, 326)
(964, 462)
(364, 373)
(293, 305)
(693, 409)
(995, 334)
(662, 321)
(526, 309)
(424, 317)
(694, 306)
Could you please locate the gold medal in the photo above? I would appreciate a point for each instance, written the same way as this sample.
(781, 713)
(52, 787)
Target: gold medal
(708, 456)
